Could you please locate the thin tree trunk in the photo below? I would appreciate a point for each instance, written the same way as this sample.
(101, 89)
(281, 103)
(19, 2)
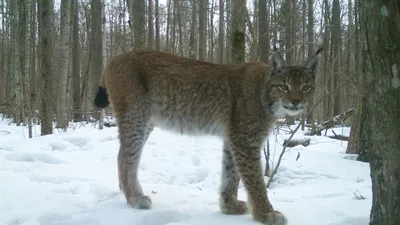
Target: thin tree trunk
(65, 29)
(178, 12)
(45, 8)
(221, 32)
(150, 37)
(238, 31)
(192, 39)
(310, 45)
(263, 31)
(202, 29)
(75, 70)
(157, 15)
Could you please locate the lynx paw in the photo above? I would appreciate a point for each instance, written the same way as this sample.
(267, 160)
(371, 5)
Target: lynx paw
(234, 207)
(273, 218)
(140, 202)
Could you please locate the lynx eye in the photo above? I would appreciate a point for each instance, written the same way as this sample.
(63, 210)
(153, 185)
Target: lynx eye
(283, 87)
(306, 88)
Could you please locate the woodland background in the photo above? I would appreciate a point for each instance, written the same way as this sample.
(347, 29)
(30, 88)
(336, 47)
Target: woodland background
(52, 53)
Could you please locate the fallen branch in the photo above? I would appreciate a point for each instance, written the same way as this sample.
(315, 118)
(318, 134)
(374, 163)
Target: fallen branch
(338, 137)
(330, 123)
(294, 142)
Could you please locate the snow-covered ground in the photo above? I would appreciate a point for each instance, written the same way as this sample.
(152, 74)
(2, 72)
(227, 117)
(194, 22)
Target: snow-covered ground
(71, 179)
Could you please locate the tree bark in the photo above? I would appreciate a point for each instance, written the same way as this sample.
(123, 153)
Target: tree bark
(45, 8)
(150, 36)
(380, 130)
(336, 45)
(157, 16)
(65, 30)
(192, 39)
(238, 31)
(75, 65)
(202, 29)
(263, 31)
(221, 32)
(310, 47)
(96, 45)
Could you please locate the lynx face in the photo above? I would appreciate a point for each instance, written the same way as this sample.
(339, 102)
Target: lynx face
(292, 87)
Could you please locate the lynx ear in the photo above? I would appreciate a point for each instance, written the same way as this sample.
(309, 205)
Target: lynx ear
(277, 61)
(312, 62)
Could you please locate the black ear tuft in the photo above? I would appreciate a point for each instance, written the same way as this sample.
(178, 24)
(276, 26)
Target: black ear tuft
(101, 99)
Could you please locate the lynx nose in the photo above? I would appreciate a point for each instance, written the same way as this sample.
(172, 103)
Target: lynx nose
(295, 102)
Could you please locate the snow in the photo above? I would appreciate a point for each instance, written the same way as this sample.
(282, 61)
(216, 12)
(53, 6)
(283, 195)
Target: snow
(70, 178)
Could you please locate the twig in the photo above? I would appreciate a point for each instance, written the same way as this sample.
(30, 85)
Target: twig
(282, 153)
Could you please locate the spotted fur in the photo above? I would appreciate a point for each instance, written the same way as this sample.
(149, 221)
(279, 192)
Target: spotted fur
(238, 103)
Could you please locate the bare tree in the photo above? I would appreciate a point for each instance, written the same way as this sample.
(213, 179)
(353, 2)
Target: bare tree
(202, 29)
(157, 16)
(380, 131)
(238, 31)
(65, 29)
(150, 36)
(263, 31)
(221, 32)
(45, 9)
(75, 64)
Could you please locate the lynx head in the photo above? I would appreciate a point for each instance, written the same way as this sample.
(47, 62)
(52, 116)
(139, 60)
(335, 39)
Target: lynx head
(292, 87)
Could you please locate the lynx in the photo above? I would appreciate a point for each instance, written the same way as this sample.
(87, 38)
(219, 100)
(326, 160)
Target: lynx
(238, 103)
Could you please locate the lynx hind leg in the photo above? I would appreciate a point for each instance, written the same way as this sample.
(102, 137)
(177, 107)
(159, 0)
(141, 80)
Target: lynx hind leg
(246, 154)
(134, 129)
(228, 202)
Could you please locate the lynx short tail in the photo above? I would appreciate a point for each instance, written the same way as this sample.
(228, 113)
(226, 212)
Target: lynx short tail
(101, 99)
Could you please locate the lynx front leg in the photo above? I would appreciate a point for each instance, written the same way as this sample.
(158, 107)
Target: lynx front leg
(246, 154)
(228, 201)
(133, 133)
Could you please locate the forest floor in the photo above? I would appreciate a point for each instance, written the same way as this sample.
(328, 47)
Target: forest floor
(70, 178)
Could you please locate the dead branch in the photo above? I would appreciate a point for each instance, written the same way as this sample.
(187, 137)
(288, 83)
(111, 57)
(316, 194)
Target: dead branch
(281, 155)
(330, 123)
(294, 142)
(338, 136)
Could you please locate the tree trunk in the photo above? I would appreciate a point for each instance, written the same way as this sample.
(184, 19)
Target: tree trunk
(310, 45)
(157, 15)
(380, 130)
(178, 12)
(192, 39)
(32, 68)
(263, 31)
(289, 41)
(96, 45)
(137, 17)
(202, 29)
(22, 58)
(61, 117)
(75, 67)
(150, 36)
(221, 32)
(238, 31)
(45, 8)
(336, 45)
